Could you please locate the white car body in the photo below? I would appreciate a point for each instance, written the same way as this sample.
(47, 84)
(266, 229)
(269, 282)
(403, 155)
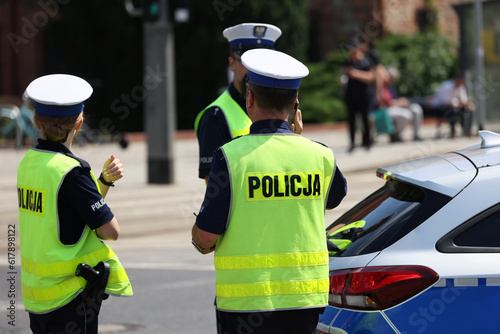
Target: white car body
(465, 296)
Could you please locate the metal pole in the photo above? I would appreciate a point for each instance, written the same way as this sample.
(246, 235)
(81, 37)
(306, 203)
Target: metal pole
(159, 106)
(479, 62)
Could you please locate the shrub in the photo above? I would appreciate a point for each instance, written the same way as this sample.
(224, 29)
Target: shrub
(321, 93)
(424, 61)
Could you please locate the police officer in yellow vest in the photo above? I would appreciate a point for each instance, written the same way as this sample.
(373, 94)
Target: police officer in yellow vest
(63, 215)
(226, 117)
(266, 220)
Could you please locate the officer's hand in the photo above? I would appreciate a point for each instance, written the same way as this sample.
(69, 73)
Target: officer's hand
(297, 126)
(112, 169)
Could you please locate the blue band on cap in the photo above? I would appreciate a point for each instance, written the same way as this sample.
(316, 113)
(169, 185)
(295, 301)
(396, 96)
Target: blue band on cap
(250, 41)
(273, 82)
(58, 111)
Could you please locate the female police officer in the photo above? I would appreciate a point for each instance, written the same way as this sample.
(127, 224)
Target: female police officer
(62, 214)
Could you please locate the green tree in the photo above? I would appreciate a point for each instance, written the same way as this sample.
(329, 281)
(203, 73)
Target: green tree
(321, 94)
(424, 61)
(202, 51)
(100, 42)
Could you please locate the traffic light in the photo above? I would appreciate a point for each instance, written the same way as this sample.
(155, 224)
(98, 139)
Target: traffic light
(179, 10)
(151, 10)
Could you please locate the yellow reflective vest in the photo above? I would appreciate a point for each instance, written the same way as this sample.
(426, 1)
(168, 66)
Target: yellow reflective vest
(273, 255)
(237, 119)
(48, 267)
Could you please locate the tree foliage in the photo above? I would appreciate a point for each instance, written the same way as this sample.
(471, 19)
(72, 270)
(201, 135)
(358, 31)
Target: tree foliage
(100, 42)
(202, 51)
(424, 61)
(321, 95)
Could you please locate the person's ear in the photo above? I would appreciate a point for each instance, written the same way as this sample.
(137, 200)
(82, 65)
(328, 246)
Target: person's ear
(37, 123)
(231, 63)
(79, 124)
(250, 100)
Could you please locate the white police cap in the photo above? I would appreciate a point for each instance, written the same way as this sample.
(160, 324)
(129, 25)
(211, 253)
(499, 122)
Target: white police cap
(246, 36)
(273, 68)
(59, 95)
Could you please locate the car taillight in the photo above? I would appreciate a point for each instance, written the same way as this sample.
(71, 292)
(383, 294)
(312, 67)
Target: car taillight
(378, 288)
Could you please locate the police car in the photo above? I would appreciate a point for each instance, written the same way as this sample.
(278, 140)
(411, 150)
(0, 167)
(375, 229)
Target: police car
(422, 253)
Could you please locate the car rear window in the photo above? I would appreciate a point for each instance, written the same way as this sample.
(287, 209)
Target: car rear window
(382, 218)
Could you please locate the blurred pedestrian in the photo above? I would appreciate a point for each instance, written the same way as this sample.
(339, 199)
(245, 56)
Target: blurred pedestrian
(369, 49)
(266, 222)
(400, 109)
(63, 216)
(451, 103)
(359, 93)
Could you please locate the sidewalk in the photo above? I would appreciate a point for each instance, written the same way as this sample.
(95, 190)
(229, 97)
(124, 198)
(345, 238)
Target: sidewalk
(147, 211)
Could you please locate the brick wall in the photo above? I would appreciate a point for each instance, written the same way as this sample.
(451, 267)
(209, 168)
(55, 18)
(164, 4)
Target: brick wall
(335, 21)
(21, 45)
(404, 18)
(400, 15)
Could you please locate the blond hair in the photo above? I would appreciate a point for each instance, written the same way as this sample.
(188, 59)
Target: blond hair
(57, 129)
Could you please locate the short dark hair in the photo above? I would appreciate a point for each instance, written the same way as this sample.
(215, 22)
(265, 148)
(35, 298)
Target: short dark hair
(272, 98)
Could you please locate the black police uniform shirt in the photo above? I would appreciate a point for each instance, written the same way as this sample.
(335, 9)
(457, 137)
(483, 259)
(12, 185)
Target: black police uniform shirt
(213, 132)
(79, 203)
(216, 204)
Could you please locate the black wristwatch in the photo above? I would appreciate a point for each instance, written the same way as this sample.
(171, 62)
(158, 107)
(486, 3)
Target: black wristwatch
(200, 249)
(106, 183)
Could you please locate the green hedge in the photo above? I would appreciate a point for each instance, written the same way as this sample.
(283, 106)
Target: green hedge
(424, 61)
(321, 93)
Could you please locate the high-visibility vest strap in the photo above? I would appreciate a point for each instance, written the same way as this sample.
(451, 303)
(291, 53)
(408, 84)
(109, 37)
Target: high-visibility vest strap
(236, 118)
(288, 260)
(65, 267)
(260, 289)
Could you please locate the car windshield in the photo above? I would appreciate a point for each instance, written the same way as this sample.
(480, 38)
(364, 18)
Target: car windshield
(382, 218)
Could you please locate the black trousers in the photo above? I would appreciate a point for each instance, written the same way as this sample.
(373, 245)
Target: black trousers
(361, 107)
(72, 318)
(454, 115)
(290, 322)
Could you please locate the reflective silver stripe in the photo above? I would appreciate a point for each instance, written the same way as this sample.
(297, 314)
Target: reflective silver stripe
(465, 282)
(495, 281)
(441, 283)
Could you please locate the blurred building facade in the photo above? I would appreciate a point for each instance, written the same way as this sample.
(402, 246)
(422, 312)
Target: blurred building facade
(332, 22)
(21, 43)
(335, 21)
